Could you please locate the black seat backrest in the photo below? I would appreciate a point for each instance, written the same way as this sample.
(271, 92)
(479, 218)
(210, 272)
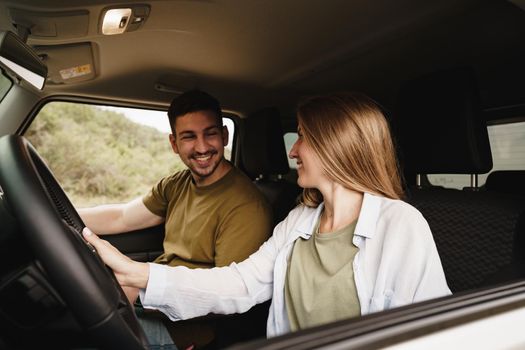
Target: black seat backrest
(476, 232)
(441, 130)
(441, 126)
(511, 183)
(264, 159)
(506, 181)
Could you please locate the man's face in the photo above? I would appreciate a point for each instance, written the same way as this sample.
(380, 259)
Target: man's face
(200, 141)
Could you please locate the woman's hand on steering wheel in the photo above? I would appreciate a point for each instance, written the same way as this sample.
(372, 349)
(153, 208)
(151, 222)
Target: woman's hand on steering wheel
(129, 273)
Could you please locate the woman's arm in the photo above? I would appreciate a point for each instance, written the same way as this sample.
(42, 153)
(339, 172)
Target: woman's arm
(183, 293)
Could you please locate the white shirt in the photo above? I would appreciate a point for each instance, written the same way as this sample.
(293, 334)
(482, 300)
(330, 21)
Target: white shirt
(397, 264)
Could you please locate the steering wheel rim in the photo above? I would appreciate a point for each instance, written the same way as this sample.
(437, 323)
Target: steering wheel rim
(52, 227)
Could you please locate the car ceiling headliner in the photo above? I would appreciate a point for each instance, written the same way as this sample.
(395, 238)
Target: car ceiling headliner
(250, 53)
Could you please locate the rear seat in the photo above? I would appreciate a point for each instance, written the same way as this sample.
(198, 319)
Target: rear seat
(440, 130)
(511, 182)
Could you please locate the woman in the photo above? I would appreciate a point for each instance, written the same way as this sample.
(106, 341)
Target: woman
(350, 248)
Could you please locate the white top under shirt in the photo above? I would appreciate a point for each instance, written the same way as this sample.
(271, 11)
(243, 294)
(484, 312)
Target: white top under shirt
(397, 264)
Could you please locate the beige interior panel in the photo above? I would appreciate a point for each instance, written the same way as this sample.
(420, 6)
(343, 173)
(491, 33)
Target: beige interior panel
(55, 25)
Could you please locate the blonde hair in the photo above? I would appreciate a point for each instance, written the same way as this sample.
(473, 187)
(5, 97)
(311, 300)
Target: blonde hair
(350, 135)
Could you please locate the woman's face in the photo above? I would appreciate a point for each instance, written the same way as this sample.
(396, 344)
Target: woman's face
(309, 168)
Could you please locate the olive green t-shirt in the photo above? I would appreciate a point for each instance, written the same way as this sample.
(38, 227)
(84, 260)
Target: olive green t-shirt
(319, 286)
(212, 225)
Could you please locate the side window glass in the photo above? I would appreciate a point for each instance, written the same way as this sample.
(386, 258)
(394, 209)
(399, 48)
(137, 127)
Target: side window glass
(103, 154)
(228, 122)
(5, 85)
(507, 143)
(289, 140)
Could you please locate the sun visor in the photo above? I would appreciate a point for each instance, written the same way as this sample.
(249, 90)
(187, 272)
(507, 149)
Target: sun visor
(68, 64)
(52, 25)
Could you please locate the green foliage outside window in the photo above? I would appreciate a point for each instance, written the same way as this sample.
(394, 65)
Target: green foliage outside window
(100, 156)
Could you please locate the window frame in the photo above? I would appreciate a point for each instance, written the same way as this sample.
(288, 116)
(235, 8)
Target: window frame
(5, 78)
(114, 103)
(465, 178)
(39, 107)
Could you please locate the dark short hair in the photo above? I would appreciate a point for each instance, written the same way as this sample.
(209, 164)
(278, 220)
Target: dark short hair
(193, 101)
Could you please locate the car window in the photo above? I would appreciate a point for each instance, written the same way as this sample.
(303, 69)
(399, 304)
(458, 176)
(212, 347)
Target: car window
(507, 143)
(103, 154)
(5, 85)
(289, 140)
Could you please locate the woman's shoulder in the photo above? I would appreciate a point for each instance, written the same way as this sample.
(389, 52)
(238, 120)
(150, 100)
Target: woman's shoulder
(403, 222)
(301, 210)
(398, 209)
(298, 216)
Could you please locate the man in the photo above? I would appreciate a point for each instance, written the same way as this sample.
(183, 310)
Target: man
(213, 214)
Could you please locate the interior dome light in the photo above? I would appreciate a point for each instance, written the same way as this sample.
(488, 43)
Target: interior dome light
(116, 21)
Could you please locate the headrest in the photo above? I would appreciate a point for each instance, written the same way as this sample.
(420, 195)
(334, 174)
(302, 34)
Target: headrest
(440, 127)
(506, 181)
(262, 144)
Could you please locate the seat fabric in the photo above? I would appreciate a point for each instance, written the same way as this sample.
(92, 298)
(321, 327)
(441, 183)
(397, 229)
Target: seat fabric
(264, 159)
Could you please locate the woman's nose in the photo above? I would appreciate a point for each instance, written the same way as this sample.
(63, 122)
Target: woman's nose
(293, 151)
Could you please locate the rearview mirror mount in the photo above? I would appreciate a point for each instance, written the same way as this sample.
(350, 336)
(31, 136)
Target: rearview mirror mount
(21, 59)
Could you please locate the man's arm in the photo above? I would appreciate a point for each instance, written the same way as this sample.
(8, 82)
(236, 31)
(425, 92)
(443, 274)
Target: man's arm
(117, 218)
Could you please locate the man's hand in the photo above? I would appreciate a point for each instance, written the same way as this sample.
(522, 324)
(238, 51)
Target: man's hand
(129, 273)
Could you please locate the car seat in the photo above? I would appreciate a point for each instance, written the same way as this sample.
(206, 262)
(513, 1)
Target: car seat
(265, 161)
(506, 181)
(440, 129)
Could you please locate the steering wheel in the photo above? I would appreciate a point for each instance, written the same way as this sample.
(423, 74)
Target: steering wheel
(52, 228)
